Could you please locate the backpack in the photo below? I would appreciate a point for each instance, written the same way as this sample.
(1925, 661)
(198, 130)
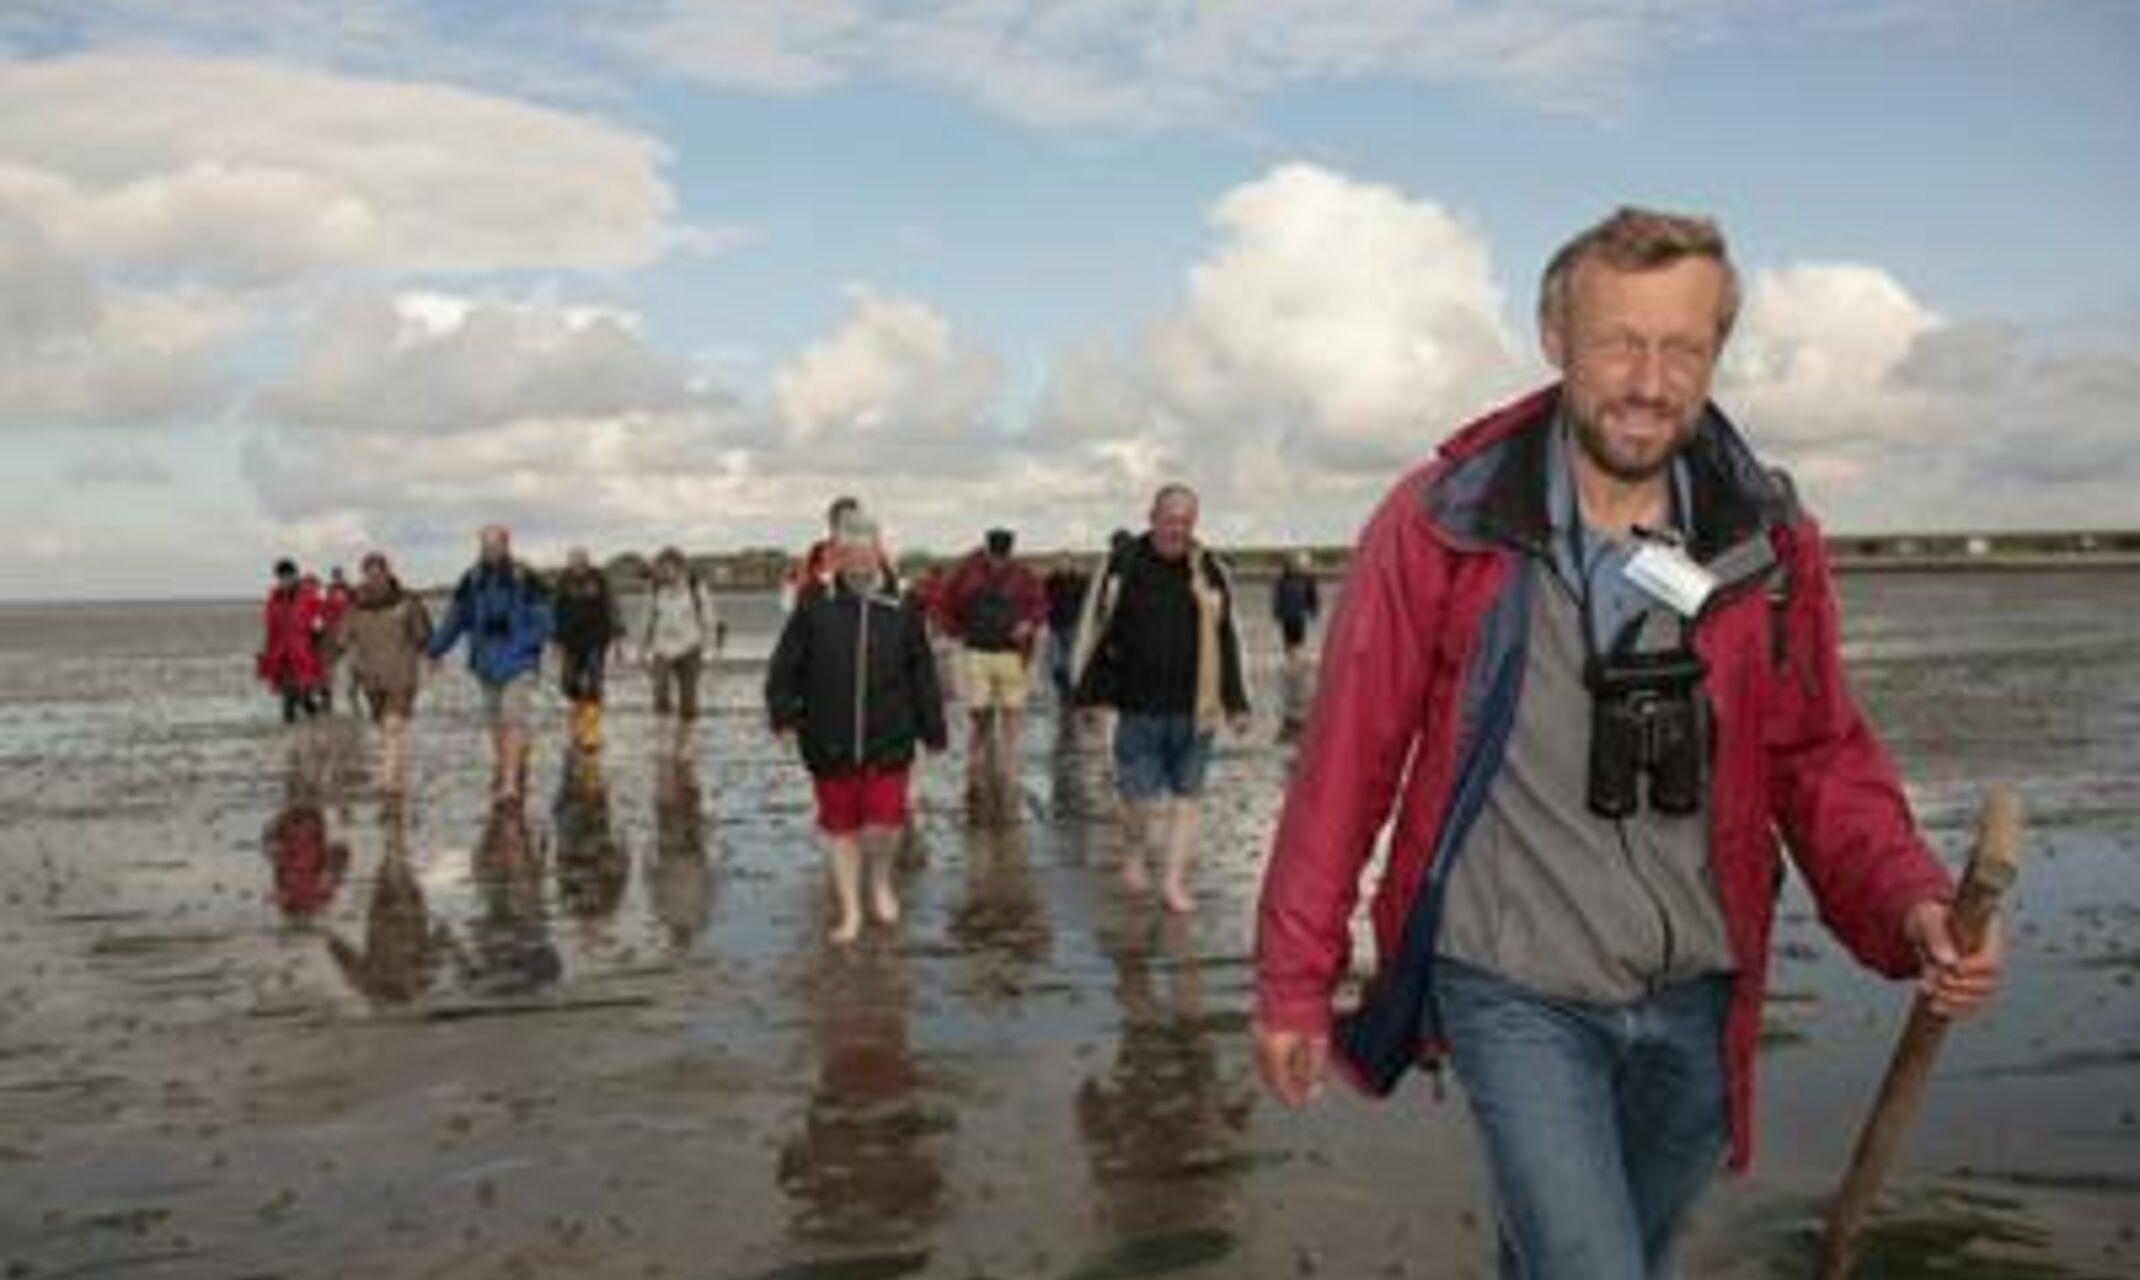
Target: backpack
(991, 614)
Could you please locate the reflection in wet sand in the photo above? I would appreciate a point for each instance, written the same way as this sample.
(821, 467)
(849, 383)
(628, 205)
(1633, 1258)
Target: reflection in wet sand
(510, 952)
(1163, 1128)
(1296, 691)
(1024, 1081)
(1000, 923)
(1927, 1233)
(402, 948)
(308, 861)
(867, 1166)
(592, 867)
(680, 874)
(1079, 773)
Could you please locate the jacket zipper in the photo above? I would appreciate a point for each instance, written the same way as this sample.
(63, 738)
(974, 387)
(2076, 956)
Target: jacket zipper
(861, 674)
(1668, 943)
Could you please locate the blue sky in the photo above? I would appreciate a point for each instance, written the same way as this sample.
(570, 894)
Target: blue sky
(290, 276)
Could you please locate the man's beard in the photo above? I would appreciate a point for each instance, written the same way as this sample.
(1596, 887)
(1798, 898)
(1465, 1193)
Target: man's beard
(1591, 438)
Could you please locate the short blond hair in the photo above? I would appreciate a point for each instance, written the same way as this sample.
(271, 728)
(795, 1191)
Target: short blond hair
(1635, 239)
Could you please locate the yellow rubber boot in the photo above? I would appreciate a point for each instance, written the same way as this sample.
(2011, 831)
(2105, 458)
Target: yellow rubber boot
(587, 726)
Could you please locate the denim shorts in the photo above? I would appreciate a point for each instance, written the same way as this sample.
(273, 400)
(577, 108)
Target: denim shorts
(1159, 755)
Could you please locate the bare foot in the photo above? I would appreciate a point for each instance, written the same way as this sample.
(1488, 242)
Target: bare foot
(846, 931)
(1177, 899)
(884, 904)
(1134, 878)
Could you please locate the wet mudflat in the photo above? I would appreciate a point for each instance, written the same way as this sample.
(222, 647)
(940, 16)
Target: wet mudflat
(255, 1023)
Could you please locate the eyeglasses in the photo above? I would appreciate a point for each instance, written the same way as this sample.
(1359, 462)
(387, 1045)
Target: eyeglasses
(1677, 354)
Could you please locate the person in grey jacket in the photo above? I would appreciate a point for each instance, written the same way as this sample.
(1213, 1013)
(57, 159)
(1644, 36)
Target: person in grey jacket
(384, 631)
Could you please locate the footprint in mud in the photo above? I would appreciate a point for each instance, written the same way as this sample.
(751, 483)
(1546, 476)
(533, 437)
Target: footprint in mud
(1158, 1255)
(879, 1266)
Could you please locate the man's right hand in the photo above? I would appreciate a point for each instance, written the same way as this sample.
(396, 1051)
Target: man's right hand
(1292, 1063)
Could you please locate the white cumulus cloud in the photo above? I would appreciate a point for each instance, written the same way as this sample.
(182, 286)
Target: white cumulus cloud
(893, 384)
(76, 350)
(251, 172)
(432, 364)
(1340, 321)
(1817, 354)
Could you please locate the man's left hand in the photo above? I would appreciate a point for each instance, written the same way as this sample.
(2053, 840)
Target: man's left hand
(1957, 985)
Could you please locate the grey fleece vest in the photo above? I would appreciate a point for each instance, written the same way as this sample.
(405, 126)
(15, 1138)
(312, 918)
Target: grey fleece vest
(1553, 897)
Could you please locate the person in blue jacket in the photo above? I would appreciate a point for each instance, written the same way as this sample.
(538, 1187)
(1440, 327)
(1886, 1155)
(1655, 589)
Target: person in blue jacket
(504, 610)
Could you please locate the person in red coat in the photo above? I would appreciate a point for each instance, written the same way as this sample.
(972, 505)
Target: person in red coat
(1583, 692)
(289, 657)
(994, 607)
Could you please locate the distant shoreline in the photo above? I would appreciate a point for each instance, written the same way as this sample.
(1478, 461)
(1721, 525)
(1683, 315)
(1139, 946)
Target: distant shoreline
(1260, 563)
(1329, 563)
(1995, 562)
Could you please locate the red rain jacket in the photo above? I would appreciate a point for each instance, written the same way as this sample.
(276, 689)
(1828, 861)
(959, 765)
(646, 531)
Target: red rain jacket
(1416, 694)
(977, 573)
(291, 622)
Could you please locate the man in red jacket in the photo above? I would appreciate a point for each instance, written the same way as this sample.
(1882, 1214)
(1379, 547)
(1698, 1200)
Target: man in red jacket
(1588, 655)
(994, 607)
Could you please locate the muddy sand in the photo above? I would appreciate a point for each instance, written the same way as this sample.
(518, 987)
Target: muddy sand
(255, 1023)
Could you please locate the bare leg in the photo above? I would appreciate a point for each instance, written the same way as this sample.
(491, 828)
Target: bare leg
(1008, 722)
(393, 753)
(979, 748)
(880, 849)
(1140, 820)
(510, 744)
(844, 857)
(1180, 830)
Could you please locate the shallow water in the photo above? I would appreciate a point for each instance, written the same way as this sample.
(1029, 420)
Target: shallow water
(253, 1024)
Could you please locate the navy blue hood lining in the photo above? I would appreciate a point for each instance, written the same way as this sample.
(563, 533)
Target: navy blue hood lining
(1497, 493)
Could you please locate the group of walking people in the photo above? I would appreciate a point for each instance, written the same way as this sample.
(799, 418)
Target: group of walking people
(508, 615)
(854, 678)
(1582, 691)
(302, 639)
(1149, 634)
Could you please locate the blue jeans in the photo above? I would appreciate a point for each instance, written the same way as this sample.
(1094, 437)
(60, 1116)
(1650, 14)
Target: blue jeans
(1601, 1124)
(1159, 755)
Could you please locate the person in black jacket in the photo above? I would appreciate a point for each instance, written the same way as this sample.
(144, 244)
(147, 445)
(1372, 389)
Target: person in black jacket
(1295, 603)
(853, 680)
(1165, 653)
(588, 627)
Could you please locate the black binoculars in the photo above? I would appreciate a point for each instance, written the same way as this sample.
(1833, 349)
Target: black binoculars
(1646, 719)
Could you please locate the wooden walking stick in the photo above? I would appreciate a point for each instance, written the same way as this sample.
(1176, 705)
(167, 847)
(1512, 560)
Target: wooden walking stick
(1991, 870)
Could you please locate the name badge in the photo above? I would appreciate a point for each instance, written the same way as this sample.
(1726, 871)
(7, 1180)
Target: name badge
(1670, 576)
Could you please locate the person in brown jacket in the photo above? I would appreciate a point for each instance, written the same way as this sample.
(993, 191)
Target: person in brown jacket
(384, 631)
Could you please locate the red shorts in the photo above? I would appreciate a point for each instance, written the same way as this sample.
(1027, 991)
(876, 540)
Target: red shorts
(868, 797)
